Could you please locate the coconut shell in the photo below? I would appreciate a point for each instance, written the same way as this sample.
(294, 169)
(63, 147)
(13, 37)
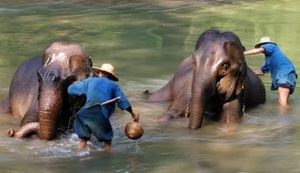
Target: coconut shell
(134, 130)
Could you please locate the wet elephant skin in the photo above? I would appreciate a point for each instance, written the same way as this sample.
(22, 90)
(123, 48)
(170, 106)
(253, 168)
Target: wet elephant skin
(213, 82)
(38, 90)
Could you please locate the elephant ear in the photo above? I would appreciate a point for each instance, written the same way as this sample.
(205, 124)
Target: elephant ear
(80, 66)
(236, 53)
(226, 86)
(232, 72)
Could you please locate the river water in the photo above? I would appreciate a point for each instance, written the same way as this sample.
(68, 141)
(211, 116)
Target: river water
(146, 41)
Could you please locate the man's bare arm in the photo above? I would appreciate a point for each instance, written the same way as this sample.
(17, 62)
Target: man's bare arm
(254, 51)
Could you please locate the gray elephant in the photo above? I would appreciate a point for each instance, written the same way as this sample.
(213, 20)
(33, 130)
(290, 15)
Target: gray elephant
(38, 90)
(214, 82)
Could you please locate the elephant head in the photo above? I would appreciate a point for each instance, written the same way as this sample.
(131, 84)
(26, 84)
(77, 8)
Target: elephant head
(62, 64)
(219, 71)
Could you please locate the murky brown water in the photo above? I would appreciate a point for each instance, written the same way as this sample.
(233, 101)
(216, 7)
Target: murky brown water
(146, 41)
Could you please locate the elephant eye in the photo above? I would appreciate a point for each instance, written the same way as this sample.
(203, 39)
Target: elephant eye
(55, 78)
(224, 69)
(225, 66)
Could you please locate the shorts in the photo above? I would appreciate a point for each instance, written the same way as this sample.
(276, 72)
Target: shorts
(91, 121)
(285, 81)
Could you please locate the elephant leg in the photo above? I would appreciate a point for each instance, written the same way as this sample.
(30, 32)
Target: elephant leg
(31, 115)
(24, 130)
(178, 108)
(171, 114)
(231, 114)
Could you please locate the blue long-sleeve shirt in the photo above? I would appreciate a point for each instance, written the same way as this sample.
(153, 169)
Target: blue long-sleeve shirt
(98, 90)
(276, 62)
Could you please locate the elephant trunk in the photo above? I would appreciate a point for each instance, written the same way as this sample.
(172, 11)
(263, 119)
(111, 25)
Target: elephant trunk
(202, 90)
(197, 110)
(50, 103)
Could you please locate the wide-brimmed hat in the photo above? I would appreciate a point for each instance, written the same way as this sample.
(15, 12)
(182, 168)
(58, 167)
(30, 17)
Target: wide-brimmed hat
(107, 69)
(263, 40)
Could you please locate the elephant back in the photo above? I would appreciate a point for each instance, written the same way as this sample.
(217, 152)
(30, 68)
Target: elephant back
(255, 90)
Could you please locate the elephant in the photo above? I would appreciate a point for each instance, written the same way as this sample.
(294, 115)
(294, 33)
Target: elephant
(214, 82)
(38, 90)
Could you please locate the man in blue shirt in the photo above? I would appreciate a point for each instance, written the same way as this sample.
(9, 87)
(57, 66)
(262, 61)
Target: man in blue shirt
(101, 94)
(282, 71)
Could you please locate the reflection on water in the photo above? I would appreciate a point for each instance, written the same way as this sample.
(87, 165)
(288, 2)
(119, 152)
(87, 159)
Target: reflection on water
(146, 41)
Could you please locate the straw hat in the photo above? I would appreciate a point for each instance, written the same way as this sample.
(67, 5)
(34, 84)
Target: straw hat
(263, 40)
(134, 130)
(108, 69)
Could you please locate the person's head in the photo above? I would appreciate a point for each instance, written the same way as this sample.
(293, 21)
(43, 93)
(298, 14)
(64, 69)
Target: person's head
(263, 40)
(107, 70)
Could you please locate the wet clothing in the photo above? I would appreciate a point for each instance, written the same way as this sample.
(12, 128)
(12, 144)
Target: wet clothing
(93, 118)
(282, 71)
(91, 121)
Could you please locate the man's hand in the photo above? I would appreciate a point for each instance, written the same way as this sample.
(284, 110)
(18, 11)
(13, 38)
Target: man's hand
(135, 116)
(258, 72)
